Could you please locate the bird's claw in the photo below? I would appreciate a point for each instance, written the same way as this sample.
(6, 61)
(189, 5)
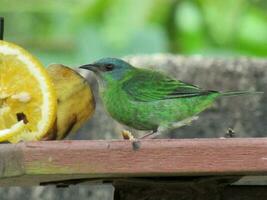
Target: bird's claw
(127, 135)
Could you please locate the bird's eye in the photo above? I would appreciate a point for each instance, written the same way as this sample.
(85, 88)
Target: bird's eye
(109, 67)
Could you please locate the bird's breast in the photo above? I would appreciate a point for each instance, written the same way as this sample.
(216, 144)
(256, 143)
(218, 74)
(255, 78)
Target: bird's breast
(125, 110)
(116, 103)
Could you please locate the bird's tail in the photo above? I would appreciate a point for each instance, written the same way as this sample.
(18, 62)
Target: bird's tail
(237, 93)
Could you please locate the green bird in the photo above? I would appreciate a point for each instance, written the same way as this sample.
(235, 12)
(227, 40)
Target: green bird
(149, 100)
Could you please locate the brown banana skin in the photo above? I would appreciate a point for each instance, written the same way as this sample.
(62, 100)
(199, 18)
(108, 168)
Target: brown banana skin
(76, 102)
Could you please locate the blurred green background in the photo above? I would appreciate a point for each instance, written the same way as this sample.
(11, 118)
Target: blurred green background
(79, 31)
(75, 32)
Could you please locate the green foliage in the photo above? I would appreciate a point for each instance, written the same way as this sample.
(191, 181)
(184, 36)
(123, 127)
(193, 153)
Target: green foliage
(75, 32)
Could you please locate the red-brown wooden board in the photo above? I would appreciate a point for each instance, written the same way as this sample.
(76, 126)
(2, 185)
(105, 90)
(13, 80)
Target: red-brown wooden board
(35, 162)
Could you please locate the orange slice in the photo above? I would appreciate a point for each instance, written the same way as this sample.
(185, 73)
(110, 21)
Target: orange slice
(26, 95)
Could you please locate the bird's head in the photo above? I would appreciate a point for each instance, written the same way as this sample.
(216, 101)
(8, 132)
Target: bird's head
(109, 68)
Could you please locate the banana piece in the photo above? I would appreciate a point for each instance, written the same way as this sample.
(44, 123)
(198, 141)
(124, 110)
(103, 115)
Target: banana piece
(76, 103)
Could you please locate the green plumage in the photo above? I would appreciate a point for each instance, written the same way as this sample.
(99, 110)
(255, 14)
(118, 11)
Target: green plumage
(146, 99)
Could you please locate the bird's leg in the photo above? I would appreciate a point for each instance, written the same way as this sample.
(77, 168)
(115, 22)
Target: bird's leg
(150, 135)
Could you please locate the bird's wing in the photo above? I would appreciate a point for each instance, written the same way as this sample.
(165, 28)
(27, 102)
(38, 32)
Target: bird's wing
(147, 85)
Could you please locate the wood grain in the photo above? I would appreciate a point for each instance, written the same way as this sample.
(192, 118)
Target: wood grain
(37, 162)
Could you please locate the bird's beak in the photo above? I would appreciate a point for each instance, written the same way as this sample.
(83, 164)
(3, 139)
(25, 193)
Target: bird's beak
(91, 67)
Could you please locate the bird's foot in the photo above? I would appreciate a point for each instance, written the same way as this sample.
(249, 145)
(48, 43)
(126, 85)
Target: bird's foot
(127, 135)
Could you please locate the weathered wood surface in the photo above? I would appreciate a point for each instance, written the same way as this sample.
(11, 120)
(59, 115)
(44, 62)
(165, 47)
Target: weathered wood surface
(41, 162)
